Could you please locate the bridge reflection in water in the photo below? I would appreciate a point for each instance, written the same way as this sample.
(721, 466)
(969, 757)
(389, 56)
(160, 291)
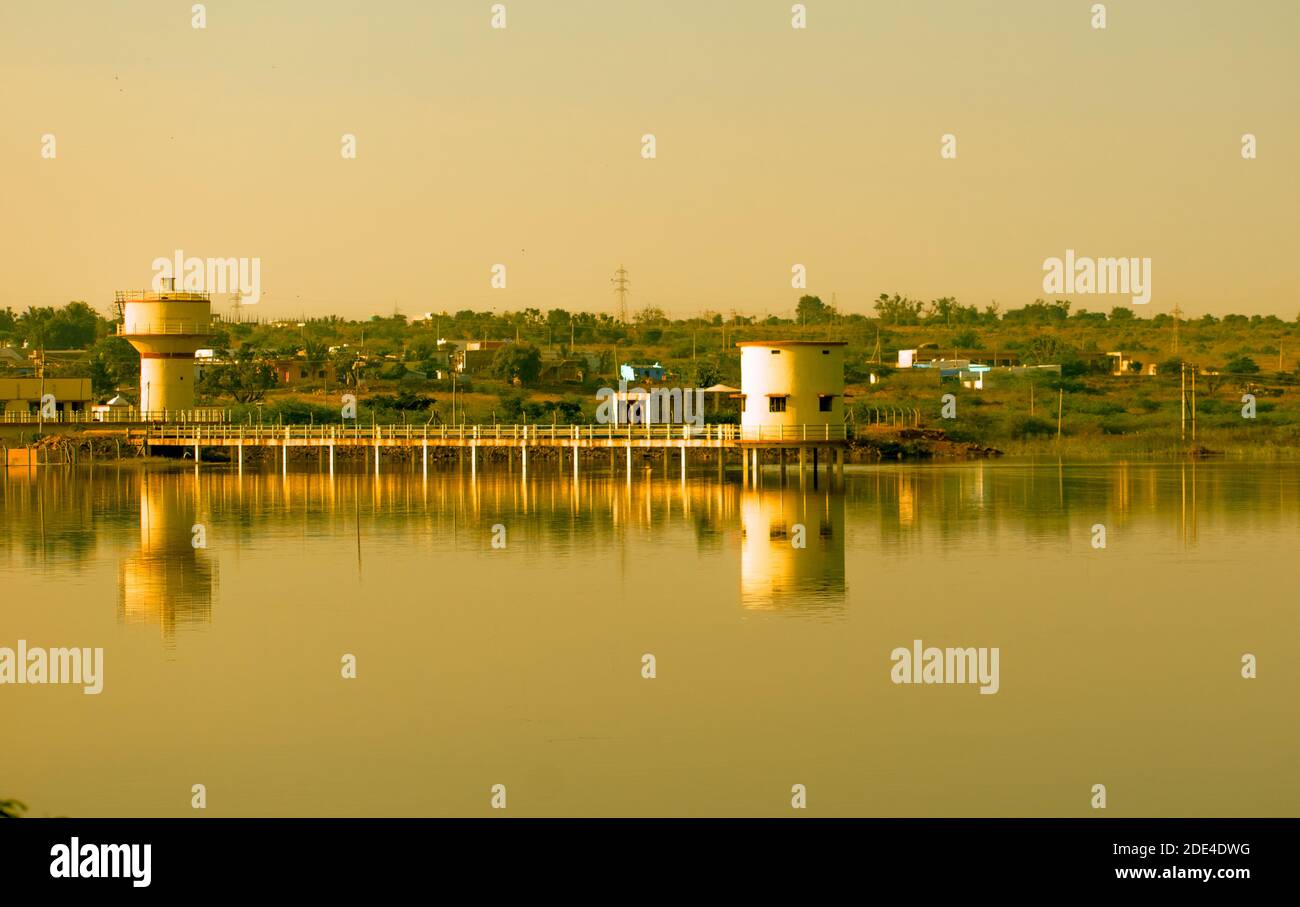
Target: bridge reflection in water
(791, 540)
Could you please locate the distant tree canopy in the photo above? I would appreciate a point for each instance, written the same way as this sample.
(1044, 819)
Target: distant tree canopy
(1241, 365)
(113, 361)
(245, 376)
(811, 310)
(650, 315)
(898, 309)
(1039, 312)
(73, 327)
(704, 372)
(349, 367)
(517, 360)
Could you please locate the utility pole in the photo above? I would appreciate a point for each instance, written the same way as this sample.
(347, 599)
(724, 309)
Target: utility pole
(1177, 313)
(1182, 422)
(620, 282)
(1193, 403)
(41, 406)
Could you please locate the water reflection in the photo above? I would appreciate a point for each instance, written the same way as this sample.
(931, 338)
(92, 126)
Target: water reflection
(524, 663)
(169, 581)
(790, 540)
(792, 553)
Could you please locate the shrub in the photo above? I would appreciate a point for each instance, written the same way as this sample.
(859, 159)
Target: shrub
(1025, 427)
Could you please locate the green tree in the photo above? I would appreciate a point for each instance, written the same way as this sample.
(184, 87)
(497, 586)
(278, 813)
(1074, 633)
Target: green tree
(102, 381)
(246, 376)
(348, 366)
(1242, 365)
(704, 372)
(75, 326)
(115, 362)
(898, 309)
(811, 310)
(517, 360)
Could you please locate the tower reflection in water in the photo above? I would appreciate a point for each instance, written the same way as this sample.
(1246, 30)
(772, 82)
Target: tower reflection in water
(776, 574)
(168, 582)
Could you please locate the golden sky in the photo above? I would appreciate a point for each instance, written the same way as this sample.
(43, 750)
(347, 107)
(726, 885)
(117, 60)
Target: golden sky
(775, 146)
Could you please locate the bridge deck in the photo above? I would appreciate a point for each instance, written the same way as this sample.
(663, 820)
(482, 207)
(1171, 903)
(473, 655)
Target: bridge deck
(725, 436)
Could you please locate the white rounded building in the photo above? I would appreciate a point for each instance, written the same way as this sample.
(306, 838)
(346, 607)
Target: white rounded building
(791, 388)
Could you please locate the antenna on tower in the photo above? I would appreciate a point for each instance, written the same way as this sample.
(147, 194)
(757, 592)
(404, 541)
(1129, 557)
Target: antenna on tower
(237, 300)
(620, 282)
(1178, 314)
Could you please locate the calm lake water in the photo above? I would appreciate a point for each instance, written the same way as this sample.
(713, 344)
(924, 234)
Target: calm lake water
(522, 665)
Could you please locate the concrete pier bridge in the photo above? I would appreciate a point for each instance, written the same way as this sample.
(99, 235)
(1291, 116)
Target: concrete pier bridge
(809, 444)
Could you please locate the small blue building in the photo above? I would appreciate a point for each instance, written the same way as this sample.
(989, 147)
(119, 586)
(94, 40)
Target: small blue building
(630, 372)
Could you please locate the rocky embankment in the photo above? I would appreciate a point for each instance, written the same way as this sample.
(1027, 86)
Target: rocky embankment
(916, 444)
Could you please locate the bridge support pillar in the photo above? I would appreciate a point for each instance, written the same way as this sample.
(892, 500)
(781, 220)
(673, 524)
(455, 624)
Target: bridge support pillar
(376, 458)
(683, 447)
(424, 458)
(629, 464)
(803, 464)
(744, 467)
(473, 459)
(331, 461)
(523, 459)
(196, 454)
(284, 459)
(575, 463)
(240, 456)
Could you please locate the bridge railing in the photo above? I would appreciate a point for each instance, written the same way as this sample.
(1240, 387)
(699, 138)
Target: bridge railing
(493, 434)
(118, 414)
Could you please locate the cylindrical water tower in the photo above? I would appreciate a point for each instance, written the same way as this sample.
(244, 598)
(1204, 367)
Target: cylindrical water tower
(167, 328)
(791, 383)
